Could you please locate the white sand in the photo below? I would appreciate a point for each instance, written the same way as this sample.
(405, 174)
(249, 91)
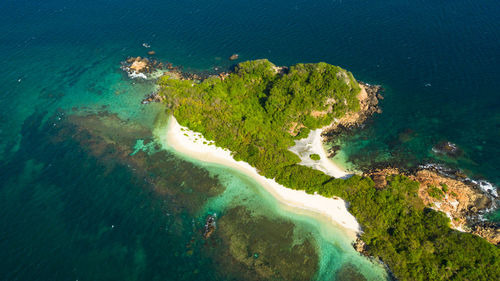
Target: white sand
(192, 144)
(313, 145)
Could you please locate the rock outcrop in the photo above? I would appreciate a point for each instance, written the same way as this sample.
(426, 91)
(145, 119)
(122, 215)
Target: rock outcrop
(462, 200)
(138, 67)
(148, 68)
(379, 176)
(360, 246)
(368, 97)
(488, 231)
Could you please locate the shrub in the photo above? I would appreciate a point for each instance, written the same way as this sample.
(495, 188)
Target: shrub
(435, 192)
(315, 156)
(444, 187)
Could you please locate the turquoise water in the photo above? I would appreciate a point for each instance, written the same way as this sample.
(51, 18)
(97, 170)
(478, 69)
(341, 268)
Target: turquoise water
(333, 243)
(77, 205)
(438, 60)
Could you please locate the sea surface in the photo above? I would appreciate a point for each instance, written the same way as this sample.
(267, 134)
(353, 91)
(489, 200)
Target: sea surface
(87, 193)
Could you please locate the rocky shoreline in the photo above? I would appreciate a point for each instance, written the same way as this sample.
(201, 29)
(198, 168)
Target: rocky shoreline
(155, 97)
(461, 199)
(145, 68)
(369, 97)
(151, 69)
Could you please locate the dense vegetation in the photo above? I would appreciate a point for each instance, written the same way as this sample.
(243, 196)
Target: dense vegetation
(257, 112)
(315, 156)
(252, 110)
(435, 192)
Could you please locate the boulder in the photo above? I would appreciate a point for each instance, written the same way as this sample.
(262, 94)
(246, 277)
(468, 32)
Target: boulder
(139, 66)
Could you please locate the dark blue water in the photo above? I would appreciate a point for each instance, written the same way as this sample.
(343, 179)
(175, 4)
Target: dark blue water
(450, 46)
(438, 61)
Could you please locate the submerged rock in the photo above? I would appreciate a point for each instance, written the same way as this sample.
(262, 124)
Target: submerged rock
(348, 272)
(332, 151)
(406, 135)
(153, 97)
(257, 255)
(209, 227)
(234, 57)
(447, 148)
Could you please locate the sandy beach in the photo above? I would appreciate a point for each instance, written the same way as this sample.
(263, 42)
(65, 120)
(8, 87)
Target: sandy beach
(194, 145)
(313, 145)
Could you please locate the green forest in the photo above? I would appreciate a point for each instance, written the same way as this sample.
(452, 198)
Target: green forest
(258, 111)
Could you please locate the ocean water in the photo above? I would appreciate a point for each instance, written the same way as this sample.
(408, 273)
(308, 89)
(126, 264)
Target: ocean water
(75, 204)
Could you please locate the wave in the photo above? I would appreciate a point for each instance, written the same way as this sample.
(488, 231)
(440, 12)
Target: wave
(486, 186)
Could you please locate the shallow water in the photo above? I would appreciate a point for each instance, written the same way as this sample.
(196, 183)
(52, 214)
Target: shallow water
(84, 201)
(438, 60)
(62, 190)
(331, 242)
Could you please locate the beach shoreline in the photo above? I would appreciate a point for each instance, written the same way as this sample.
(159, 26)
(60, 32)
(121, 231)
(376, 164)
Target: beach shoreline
(192, 144)
(313, 144)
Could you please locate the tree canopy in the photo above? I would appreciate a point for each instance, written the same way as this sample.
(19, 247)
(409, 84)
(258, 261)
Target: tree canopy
(259, 109)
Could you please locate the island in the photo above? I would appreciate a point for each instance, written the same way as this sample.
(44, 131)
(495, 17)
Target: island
(256, 114)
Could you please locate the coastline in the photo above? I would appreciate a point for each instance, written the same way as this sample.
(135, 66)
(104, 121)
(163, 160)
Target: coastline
(194, 145)
(313, 144)
(207, 108)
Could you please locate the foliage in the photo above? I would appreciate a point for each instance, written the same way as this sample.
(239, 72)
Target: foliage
(251, 112)
(417, 242)
(444, 187)
(315, 156)
(435, 192)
